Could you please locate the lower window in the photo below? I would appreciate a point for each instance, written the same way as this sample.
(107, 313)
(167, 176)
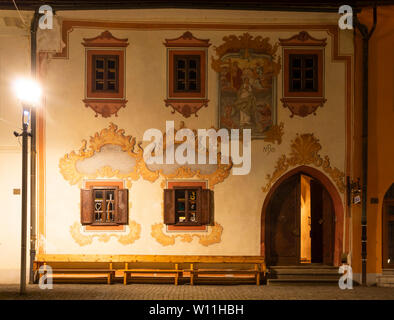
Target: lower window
(187, 206)
(104, 206)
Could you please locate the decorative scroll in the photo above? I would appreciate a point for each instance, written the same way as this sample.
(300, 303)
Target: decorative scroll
(247, 68)
(303, 39)
(214, 236)
(221, 172)
(125, 239)
(305, 151)
(113, 136)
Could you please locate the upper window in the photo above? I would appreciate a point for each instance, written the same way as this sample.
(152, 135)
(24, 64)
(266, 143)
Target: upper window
(105, 73)
(105, 80)
(187, 74)
(104, 205)
(303, 74)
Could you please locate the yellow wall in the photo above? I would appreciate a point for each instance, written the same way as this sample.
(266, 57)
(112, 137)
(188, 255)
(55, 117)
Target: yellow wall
(380, 134)
(14, 61)
(239, 199)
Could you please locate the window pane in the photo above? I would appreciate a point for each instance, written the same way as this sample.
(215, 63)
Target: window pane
(111, 85)
(192, 75)
(192, 63)
(99, 75)
(98, 206)
(309, 63)
(192, 85)
(297, 74)
(99, 85)
(111, 75)
(309, 74)
(309, 84)
(100, 63)
(297, 84)
(296, 62)
(181, 74)
(181, 85)
(181, 64)
(111, 64)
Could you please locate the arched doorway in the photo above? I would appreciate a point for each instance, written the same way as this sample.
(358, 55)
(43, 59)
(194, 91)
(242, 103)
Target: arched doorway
(302, 220)
(388, 228)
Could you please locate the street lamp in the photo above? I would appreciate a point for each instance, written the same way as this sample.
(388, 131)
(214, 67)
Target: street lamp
(28, 93)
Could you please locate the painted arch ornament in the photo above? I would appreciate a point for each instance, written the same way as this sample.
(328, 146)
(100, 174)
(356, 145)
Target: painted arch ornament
(247, 69)
(305, 151)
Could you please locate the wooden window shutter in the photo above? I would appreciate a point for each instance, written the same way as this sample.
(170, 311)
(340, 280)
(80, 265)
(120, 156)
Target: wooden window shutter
(206, 206)
(169, 206)
(87, 209)
(122, 215)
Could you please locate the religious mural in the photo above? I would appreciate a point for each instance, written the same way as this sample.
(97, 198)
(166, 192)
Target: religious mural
(247, 71)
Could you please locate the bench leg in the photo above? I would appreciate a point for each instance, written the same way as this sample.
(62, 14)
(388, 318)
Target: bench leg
(125, 278)
(176, 275)
(109, 278)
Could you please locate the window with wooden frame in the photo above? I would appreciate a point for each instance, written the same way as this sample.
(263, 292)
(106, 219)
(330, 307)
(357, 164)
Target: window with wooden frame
(303, 70)
(104, 206)
(187, 206)
(303, 74)
(187, 74)
(105, 74)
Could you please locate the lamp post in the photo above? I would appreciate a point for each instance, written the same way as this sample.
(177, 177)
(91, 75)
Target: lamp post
(29, 93)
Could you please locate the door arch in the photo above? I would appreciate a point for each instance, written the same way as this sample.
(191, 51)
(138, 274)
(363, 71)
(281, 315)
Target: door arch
(336, 202)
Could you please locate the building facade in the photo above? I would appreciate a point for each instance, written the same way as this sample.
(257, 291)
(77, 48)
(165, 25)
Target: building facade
(110, 76)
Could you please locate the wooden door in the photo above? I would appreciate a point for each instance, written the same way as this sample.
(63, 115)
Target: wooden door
(388, 234)
(328, 227)
(316, 222)
(283, 224)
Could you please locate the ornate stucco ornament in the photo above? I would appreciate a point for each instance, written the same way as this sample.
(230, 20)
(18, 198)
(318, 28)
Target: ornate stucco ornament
(305, 151)
(124, 238)
(213, 236)
(108, 136)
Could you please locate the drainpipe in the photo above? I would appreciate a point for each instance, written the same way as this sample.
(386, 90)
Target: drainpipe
(33, 152)
(366, 35)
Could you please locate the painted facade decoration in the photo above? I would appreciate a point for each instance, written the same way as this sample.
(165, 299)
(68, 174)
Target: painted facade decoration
(305, 151)
(247, 69)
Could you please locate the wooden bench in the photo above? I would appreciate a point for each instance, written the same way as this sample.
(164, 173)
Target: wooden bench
(139, 268)
(85, 273)
(229, 270)
(175, 272)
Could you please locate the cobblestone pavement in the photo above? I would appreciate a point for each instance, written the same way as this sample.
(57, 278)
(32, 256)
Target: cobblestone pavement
(197, 292)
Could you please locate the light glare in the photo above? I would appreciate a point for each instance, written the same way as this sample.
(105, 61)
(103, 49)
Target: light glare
(28, 91)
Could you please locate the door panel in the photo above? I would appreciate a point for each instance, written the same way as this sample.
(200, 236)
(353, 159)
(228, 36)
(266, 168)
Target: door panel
(328, 228)
(316, 222)
(283, 222)
(388, 234)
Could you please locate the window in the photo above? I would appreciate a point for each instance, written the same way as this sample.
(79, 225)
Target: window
(105, 80)
(303, 74)
(186, 74)
(104, 206)
(105, 73)
(187, 206)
